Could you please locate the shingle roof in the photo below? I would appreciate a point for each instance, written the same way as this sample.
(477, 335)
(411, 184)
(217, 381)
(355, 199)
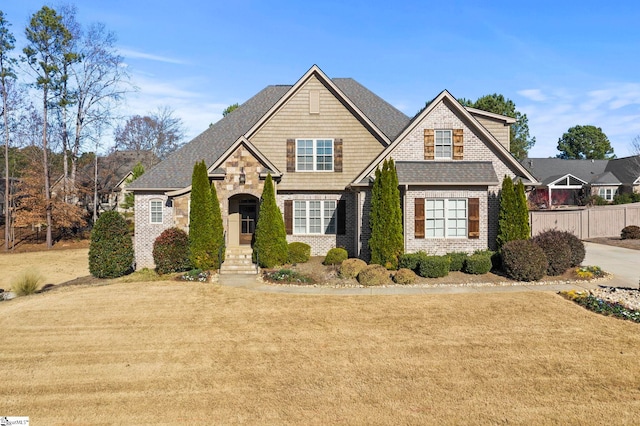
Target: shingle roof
(175, 171)
(612, 172)
(446, 173)
(626, 169)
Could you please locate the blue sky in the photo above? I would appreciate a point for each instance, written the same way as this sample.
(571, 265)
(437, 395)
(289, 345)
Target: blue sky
(563, 63)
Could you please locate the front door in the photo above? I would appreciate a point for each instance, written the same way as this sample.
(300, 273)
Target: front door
(247, 221)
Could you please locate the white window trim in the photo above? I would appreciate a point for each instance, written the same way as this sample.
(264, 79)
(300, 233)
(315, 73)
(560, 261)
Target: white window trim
(611, 191)
(151, 211)
(315, 155)
(447, 219)
(323, 218)
(435, 144)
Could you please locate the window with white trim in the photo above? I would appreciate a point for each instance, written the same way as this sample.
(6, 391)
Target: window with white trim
(443, 143)
(314, 155)
(314, 217)
(446, 218)
(155, 208)
(607, 193)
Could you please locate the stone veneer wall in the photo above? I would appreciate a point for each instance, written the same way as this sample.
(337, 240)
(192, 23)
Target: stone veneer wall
(147, 232)
(322, 243)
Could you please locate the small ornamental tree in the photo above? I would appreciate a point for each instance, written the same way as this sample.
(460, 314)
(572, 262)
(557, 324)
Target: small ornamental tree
(385, 218)
(111, 248)
(270, 247)
(513, 217)
(203, 251)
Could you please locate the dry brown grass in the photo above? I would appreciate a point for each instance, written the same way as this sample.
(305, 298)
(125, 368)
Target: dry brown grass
(178, 353)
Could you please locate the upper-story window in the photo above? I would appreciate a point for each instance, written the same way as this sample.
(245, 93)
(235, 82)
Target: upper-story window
(443, 143)
(314, 155)
(155, 207)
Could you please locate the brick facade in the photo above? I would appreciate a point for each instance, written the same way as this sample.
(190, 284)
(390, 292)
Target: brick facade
(147, 232)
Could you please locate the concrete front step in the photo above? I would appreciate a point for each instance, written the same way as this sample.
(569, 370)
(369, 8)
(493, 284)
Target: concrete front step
(238, 260)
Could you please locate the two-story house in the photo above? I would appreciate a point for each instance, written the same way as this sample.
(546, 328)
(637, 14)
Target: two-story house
(321, 140)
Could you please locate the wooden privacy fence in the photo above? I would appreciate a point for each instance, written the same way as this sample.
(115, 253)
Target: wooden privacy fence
(584, 223)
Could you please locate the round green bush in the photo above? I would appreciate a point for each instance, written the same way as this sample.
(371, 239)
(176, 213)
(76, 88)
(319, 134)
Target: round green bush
(631, 232)
(350, 268)
(374, 275)
(434, 266)
(411, 260)
(171, 251)
(557, 250)
(576, 247)
(111, 248)
(477, 264)
(336, 256)
(299, 252)
(457, 260)
(405, 276)
(523, 260)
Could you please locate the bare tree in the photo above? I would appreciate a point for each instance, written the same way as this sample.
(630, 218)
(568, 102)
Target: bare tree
(160, 132)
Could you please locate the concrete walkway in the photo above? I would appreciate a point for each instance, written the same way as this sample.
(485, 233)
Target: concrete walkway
(622, 263)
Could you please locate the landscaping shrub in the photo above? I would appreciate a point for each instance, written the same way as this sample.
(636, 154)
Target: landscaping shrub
(626, 198)
(350, 268)
(299, 252)
(374, 275)
(27, 283)
(171, 251)
(204, 244)
(405, 276)
(457, 260)
(111, 248)
(558, 252)
(523, 260)
(270, 247)
(631, 232)
(477, 264)
(434, 266)
(411, 260)
(288, 276)
(335, 256)
(575, 246)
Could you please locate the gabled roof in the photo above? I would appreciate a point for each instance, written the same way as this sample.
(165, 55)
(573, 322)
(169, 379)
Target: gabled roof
(627, 169)
(453, 104)
(174, 173)
(595, 172)
(462, 173)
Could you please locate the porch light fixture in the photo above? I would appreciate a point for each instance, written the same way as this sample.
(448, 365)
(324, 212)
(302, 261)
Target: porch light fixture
(243, 177)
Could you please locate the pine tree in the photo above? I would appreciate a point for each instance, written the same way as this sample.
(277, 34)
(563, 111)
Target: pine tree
(386, 242)
(507, 218)
(203, 252)
(270, 247)
(218, 229)
(522, 213)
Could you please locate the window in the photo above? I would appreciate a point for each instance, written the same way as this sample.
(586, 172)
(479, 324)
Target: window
(156, 211)
(314, 155)
(443, 144)
(314, 217)
(607, 193)
(446, 218)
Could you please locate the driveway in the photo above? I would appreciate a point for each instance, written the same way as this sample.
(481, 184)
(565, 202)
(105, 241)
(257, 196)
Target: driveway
(623, 263)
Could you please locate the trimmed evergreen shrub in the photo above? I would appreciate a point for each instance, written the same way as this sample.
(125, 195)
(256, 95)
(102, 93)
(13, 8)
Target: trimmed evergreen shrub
(385, 217)
(218, 228)
(350, 268)
(523, 260)
(513, 216)
(270, 247)
(558, 252)
(457, 260)
(171, 251)
(411, 260)
(434, 266)
(576, 247)
(477, 264)
(203, 245)
(335, 256)
(631, 232)
(374, 275)
(521, 213)
(111, 248)
(405, 276)
(299, 252)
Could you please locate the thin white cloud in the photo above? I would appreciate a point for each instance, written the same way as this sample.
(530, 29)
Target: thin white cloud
(533, 94)
(133, 54)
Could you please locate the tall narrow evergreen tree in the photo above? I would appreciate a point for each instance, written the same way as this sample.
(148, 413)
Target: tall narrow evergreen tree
(507, 218)
(522, 213)
(203, 252)
(386, 241)
(270, 247)
(218, 229)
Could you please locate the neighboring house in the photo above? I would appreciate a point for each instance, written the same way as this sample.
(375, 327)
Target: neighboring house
(570, 182)
(322, 139)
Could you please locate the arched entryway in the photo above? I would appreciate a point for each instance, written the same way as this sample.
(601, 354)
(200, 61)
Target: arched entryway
(243, 216)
